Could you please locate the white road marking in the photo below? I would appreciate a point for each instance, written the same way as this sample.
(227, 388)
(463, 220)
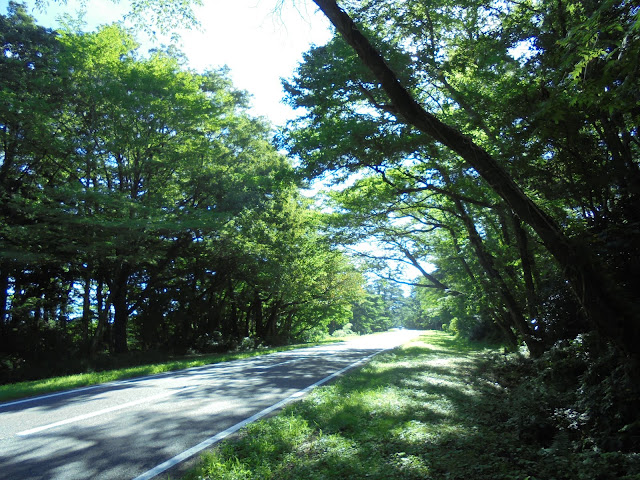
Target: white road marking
(214, 366)
(102, 412)
(163, 467)
(50, 395)
(127, 381)
(267, 367)
(115, 383)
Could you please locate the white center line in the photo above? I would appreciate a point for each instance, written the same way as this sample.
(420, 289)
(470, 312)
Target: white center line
(102, 412)
(267, 367)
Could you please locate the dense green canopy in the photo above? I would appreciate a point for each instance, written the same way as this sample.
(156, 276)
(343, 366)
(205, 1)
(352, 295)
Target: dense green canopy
(497, 141)
(143, 207)
(492, 146)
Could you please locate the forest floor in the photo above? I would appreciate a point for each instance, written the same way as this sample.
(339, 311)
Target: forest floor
(428, 410)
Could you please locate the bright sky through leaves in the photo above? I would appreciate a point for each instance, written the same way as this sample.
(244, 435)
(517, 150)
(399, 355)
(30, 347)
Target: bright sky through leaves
(258, 44)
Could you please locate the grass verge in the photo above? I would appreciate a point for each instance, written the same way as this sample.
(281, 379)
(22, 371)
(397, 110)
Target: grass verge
(20, 390)
(424, 411)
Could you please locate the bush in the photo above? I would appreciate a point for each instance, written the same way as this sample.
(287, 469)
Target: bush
(248, 343)
(578, 395)
(345, 331)
(312, 335)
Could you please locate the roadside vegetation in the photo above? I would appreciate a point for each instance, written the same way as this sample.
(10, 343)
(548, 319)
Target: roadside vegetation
(437, 408)
(19, 390)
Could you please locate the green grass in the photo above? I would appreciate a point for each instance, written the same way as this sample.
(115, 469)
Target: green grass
(424, 411)
(20, 390)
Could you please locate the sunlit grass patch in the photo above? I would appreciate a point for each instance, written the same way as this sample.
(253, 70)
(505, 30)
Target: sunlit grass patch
(412, 432)
(216, 465)
(415, 413)
(413, 465)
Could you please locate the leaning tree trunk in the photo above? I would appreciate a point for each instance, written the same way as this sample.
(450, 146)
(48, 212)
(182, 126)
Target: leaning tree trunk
(486, 260)
(509, 336)
(527, 262)
(608, 313)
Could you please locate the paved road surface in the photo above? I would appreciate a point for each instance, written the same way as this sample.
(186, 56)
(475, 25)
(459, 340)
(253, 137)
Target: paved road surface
(139, 428)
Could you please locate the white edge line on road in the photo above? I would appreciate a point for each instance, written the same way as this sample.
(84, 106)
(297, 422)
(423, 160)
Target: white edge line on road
(115, 383)
(163, 467)
(102, 412)
(50, 395)
(92, 387)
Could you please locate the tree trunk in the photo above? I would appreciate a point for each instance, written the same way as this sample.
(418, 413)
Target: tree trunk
(103, 312)
(434, 281)
(535, 346)
(214, 315)
(230, 321)
(496, 315)
(610, 315)
(460, 256)
(258, 316)
(271, 328)
(510, 337)
(4, 297)
(64, 309)
(119, 293)
(527, 262)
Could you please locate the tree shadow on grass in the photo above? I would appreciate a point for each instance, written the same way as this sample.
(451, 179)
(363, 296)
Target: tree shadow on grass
(420, 412)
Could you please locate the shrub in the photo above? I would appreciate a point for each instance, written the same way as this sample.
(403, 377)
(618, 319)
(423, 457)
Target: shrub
(344, 331)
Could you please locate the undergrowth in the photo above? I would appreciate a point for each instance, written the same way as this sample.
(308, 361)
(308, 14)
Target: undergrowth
(435, 409)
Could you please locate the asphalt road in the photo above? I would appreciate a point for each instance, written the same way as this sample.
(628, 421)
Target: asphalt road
(143, 427)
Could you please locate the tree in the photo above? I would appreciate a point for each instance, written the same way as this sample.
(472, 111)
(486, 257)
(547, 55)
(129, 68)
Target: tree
(143, 208)
(399, 106)
(33, 82)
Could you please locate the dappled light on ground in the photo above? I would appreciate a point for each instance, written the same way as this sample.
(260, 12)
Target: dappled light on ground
(424, 411)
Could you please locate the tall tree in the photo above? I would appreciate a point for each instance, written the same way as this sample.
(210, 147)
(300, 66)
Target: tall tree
(604, 304)
(32, 99)
(142, 206)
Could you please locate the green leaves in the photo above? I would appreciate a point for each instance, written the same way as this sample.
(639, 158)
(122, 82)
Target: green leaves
(556, 124)
(174, 216)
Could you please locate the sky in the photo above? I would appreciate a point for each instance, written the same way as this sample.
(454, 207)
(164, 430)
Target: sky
(259, 46)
